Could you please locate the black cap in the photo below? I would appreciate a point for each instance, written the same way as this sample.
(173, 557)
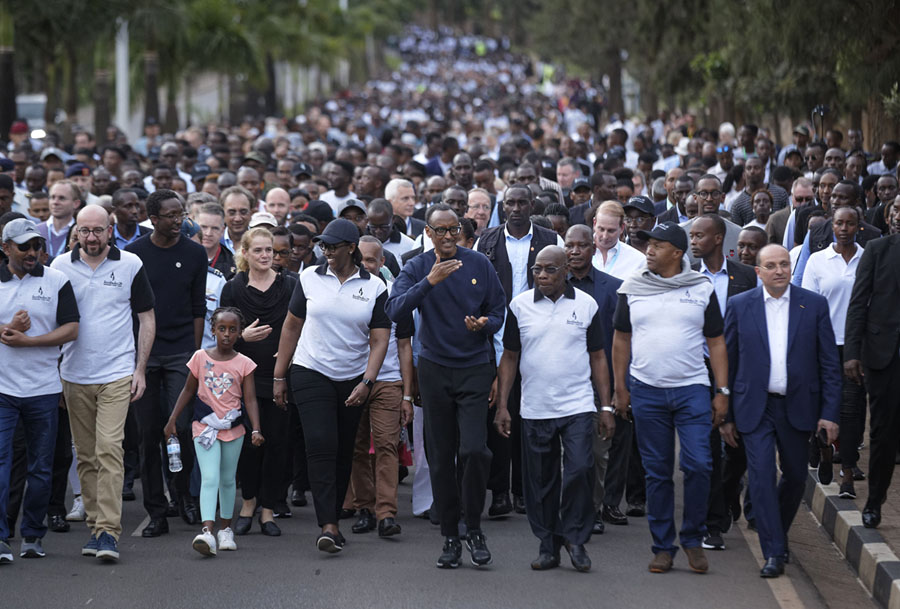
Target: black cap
(581, 183)
(301, 168)
(200, 170)
(339, 231)
(642, 204)
(320, 210)
(669, 232)
(354, 204)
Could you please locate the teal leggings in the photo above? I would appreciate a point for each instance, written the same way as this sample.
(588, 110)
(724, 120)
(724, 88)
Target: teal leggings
(218, 466)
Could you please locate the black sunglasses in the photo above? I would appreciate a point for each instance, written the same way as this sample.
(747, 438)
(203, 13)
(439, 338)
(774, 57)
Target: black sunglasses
(29, 246)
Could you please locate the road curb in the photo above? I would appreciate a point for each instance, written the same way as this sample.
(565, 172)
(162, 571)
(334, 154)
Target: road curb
(865, 549)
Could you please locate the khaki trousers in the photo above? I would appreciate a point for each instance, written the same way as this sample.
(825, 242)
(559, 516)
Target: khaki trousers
(374, 480)
(97, 418)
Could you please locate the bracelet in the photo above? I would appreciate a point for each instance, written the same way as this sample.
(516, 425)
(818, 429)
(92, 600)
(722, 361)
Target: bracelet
(607, 409)
(278, 379)
(254, 431)
(407, 398)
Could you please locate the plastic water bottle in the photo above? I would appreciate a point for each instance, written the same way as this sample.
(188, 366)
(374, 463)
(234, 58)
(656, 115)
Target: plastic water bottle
(173, 449)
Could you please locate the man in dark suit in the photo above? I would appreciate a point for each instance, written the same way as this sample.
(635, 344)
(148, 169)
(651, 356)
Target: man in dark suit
(610, 454)
(729, 278)
(512, 248)
(773, 404)
(677, 213)
(871, 351)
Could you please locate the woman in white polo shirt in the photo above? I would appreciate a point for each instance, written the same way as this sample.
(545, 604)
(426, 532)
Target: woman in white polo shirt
(337, 331)
(831, 273)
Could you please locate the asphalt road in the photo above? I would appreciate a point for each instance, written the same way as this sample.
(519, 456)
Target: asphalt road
(375, 573)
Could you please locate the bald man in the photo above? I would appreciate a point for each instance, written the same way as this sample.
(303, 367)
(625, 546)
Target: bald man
(110, 286)
(765, 328)
(277, 203)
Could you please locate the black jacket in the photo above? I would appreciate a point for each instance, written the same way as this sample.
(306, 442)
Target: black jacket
(493, 245)
(822, 235)
(741, 277)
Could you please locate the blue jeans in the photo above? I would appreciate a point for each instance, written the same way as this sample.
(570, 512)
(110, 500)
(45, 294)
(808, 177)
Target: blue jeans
(39, 416)
(658, 414)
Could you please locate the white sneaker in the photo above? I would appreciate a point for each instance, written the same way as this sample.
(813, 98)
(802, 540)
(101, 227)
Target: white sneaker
(225, 538)
(77, 512)
(205, 543)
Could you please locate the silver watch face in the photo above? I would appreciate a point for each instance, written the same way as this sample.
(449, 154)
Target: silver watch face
(723, 391)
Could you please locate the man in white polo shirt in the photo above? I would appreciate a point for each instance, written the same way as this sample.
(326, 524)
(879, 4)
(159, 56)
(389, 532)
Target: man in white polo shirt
(38, 313)
(558, 333)
(100, 376)
(613, 256)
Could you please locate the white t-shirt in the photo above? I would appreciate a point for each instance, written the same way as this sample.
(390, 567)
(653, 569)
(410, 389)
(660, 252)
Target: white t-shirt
(337, 203)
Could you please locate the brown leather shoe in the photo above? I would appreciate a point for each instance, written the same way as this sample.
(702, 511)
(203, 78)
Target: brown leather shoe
(697, 559)
(661, 563)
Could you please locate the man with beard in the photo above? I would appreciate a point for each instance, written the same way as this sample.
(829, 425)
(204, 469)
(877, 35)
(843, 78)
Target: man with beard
(638, 217)
(710, 196)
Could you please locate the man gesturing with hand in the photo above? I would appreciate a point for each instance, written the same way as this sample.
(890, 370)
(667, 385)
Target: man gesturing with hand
(461, 305)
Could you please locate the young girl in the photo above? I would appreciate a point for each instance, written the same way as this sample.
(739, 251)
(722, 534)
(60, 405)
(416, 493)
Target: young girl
(217, 430)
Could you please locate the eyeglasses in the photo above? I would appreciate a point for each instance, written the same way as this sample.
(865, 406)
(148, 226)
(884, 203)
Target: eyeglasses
(84, 231)
(722, 149)
(33, 245)
(704, 194)
(550, 270)
(176, 217)
(332, 247)
(440, 231)
(281, 253)
(784, 266)
(804, 199)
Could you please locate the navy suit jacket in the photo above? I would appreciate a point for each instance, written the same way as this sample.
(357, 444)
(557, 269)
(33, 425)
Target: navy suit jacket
(813, 367)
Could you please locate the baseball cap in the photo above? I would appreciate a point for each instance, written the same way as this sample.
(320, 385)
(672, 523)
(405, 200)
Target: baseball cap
(18, 128)
(200, 171)
(581, 183)
(669, 232)
(802, 130)
(189, 228)
(320, 210)
(339, 231)
(300, 169)
(51, 151)
(258, 157)
(262, 217)
(352, 203)
(20, 231)
(641, 203)
(6, 164)
(77, 169)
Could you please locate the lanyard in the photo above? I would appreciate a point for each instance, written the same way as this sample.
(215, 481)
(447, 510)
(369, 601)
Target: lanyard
(212, 262)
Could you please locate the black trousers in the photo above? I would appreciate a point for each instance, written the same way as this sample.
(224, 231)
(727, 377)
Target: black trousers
(455, 403)
(132, 445)
(507, 451)
(884, 428)
(617, 467)
(261, 468)
(166, 376)
(329, 430)
(635, 482)
(296, 474)
(853, 401)
(733, 470)
(17, 474)
(62, 461)
(559, 503)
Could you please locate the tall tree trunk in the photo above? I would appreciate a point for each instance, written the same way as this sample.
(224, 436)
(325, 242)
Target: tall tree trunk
(101, 102)
(170, 124)
(616, 103)
(151, 86)
(187, 100)
(271, 94)
(7, 73)
(71, 95)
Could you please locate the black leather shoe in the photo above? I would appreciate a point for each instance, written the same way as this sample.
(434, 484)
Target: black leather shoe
(242, 525)
(298, 499)
(269, 529)
(500, 505)
(638, 510)
(612, 515)
(519, 504)
(345, 514)
(580, 559)
(157, 527)
(599, 527)
(365, 523)
(773, 568)
(388, 527)
(190, 513)
(57, 523)
(172, 509)
(128, 494)
(871, 517)
(402, 473)
(545, 561)
(282, 510)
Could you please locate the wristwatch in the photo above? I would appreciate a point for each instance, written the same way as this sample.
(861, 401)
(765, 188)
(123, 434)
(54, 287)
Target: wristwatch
(407, 398)
(607, 409)
(723, 391)
(368, 383)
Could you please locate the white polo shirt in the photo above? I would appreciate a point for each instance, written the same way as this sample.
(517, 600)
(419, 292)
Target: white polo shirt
(554, 339)
(621, 260)
(107, 296)
(827, 274)
(49, 299)
(335, 336)
(668, 333)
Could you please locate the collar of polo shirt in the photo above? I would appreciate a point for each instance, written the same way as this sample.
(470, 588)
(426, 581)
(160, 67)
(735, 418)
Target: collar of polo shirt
(569, 292)
(6, 274)
(323, 269)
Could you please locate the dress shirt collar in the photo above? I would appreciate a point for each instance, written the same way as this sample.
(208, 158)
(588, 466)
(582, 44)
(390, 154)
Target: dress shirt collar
(832, 253)
(569, 292)
(705, 270)
(526, 237)
(786, 297)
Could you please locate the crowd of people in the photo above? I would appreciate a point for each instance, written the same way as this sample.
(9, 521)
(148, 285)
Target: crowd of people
(458, 267)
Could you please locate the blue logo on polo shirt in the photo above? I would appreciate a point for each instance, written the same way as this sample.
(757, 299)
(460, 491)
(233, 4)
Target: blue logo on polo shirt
(573, 321)
(40, 296)
(111, 282)
(686, 299)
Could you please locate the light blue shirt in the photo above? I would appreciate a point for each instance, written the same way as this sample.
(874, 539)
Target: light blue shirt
(797, 279)
(720, 283)
(121, 241)
(517, 250)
